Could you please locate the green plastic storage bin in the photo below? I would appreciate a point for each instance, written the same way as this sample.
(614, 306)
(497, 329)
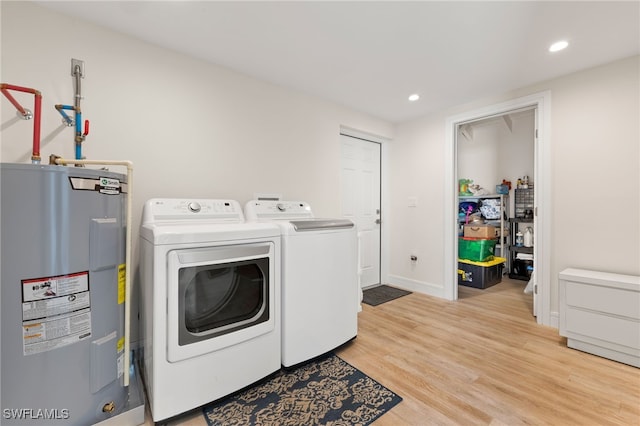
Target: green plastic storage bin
(478, 250)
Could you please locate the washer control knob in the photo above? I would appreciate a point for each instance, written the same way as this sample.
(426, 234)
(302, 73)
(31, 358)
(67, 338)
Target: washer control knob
(194, 207)
(281, 207)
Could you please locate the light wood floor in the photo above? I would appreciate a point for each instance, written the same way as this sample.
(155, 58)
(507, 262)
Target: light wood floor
(483, 360)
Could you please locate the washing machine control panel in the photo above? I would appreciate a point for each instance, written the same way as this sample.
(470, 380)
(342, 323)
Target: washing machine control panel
(272, 209)
(176, 209)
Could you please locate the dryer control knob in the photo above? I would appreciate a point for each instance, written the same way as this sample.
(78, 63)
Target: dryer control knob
(281, 207)
(194, 207)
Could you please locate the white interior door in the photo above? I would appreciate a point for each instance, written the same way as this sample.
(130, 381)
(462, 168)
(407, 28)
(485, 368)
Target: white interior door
(360, 180)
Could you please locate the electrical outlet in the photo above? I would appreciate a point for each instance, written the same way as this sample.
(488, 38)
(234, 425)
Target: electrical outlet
(77, 63)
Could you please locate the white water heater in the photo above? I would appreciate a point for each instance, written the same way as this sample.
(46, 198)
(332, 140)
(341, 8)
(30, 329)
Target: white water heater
(62, 300)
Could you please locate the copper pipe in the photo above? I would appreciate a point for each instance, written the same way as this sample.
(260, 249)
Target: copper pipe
(35, 153)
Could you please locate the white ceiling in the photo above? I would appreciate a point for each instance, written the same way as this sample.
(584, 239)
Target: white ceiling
(372, 55)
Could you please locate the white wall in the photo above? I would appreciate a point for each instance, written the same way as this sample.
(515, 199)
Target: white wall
(497, 152)
(595, 148)
(596, 169)
(192, 129)
(417, 170)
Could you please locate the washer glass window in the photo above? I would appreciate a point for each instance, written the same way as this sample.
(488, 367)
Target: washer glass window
(222, 298)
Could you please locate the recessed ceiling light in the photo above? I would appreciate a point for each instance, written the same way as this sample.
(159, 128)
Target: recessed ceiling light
(558, 45)
(414, 97)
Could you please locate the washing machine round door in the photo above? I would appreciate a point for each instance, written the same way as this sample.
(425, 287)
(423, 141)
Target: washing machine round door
(218, 296)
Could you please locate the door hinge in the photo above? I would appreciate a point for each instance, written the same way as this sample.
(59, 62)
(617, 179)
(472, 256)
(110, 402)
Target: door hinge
(536, 133)
(535, 289)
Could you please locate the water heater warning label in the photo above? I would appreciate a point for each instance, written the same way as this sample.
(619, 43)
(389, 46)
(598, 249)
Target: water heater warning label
(56, 312)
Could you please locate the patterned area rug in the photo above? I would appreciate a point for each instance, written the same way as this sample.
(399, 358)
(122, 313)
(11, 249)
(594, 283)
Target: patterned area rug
(383, 293)
(324, 392)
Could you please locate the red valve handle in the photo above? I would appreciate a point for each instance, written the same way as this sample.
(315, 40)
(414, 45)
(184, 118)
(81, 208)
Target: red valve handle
(86, 127)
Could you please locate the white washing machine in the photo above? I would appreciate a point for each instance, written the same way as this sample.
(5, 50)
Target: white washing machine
(210, 302)
(320, 290)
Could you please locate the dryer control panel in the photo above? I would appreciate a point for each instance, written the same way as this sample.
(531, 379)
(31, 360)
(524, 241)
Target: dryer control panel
(274, 210)
(179, 209)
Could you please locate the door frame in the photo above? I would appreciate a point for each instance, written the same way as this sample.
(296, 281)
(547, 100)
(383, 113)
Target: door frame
(384, 192)
(542, 244)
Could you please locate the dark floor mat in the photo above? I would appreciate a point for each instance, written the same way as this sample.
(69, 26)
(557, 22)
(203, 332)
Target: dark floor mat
(325, 391)
(381, 294)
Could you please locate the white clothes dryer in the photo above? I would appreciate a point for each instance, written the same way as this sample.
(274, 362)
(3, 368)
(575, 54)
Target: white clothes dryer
(320, 290)
(210, 302)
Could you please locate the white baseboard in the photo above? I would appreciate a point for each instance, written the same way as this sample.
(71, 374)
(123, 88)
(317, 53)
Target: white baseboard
(417, 286)
(554, 320)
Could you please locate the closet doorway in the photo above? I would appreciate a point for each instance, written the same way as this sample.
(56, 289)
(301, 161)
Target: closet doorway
(539, 104)
(490, 151)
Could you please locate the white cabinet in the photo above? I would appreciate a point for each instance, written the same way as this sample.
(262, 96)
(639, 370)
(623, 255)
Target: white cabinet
(600, 313)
